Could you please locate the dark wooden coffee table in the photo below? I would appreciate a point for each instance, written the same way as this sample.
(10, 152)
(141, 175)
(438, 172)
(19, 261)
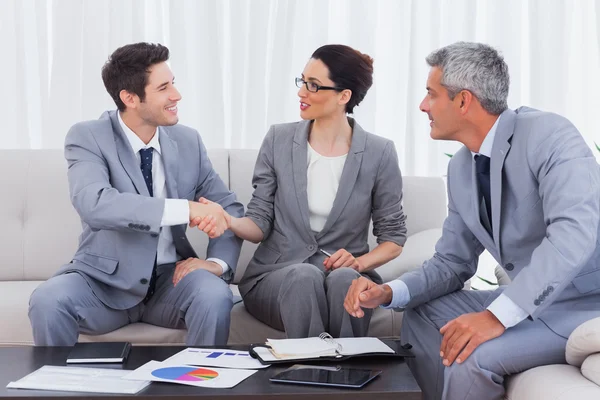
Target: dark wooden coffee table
(396, 382)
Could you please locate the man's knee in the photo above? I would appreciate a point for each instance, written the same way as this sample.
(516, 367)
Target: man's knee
(211, 293)
(49, 299)
(482, 359)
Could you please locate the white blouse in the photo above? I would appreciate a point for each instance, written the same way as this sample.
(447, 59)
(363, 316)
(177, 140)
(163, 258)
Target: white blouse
(323, 178)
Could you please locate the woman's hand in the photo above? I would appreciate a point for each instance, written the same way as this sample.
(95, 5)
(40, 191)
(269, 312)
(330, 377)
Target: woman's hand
(208, 224)
(343, 259)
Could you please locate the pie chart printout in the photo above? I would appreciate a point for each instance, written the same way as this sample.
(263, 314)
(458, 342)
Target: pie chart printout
(185, 373)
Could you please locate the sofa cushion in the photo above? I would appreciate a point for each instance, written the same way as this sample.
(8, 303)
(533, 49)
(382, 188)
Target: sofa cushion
(14, 301)
(591, 368)
(419, 247)
(141, 334)
(551, 382)
(583, 341)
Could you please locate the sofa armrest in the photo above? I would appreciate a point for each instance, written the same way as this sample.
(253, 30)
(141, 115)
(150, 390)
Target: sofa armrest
(418, 248)
(501, 276)
(583, 341)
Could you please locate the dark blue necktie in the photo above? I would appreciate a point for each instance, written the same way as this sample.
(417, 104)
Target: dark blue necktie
(482, 169)
(146, 166)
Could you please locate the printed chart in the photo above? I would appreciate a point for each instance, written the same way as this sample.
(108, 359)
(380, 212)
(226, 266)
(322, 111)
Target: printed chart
(223, 358)
(185, 374)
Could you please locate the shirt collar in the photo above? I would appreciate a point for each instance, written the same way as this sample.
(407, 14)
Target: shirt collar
(488, 141)
(136, 143)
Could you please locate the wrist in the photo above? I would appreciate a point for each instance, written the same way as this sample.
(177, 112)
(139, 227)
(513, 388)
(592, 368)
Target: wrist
(388, 294)
(216, 268)
(364, 263)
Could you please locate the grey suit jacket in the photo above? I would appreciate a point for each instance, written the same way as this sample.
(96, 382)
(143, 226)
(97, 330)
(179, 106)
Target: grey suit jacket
(370, 188)
(545, 194)
(121, 223)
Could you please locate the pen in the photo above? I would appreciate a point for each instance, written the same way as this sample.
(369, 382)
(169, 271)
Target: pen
(324, 252)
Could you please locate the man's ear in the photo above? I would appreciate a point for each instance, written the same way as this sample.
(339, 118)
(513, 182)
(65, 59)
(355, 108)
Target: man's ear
(466, 98)
(128, 98)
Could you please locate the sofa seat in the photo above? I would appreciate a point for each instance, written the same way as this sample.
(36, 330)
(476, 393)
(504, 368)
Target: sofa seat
(579, 379)
(34, 243)
(551, 382)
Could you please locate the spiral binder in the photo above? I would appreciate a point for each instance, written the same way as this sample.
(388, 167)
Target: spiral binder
(326, 337)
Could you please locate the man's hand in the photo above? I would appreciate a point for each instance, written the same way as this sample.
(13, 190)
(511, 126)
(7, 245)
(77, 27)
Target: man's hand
(365, 293)
(209, 217)
(465, 333)
(184, 267)
(341, 259)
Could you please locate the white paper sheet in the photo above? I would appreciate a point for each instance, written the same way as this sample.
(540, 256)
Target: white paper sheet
(77, 379)
(216, 358)
(190, 375)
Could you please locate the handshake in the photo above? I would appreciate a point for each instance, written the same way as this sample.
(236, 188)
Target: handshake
(209, 217)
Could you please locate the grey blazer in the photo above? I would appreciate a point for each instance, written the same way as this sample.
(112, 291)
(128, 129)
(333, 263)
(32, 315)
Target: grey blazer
(121, 223)
(545, 193)
(370, 188)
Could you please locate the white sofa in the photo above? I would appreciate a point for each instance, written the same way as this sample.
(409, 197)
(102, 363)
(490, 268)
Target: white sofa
(40, 228)
(579, 379)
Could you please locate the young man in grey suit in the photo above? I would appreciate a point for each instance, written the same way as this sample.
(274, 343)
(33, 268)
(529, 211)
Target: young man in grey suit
(134, 176)
(526, 187)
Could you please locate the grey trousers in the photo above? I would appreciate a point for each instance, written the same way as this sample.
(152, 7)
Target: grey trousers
(480, 376)
(64, 306)
(304, 301)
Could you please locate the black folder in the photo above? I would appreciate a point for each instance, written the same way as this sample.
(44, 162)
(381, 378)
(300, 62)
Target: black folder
(99, 352)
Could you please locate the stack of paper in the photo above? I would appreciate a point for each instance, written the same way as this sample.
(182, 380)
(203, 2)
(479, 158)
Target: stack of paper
(74, 379)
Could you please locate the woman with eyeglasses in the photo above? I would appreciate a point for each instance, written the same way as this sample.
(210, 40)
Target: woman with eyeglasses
(317, 185)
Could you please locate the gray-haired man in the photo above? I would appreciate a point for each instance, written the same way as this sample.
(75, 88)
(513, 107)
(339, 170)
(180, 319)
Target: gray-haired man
(526, 187)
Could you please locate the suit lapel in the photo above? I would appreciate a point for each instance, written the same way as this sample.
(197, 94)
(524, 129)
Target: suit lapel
(170, 155)
(349, 176)
(299, 166)
(128, 159)
(500, 149)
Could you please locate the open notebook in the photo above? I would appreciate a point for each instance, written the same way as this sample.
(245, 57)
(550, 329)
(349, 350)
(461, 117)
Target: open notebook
(324, 347)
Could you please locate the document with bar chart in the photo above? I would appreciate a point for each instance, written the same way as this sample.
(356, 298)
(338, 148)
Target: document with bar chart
(215, 358)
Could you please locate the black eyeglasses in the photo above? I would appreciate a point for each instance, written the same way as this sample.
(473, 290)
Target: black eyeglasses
(313, 87)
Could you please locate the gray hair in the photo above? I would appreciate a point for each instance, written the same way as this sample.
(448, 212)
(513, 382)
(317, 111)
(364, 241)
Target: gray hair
(475, 67)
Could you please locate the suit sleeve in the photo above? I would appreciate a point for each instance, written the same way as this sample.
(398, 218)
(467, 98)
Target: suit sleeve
(264, 181)
(569, 189)
(210, 186)
(100, 205)
(454, 262)
(388, 217)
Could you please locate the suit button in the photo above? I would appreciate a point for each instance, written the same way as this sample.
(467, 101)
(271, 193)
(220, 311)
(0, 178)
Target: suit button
(545, 293)
(143, 281)
(130, 225)
(509, 267)
(311, 247)
(147, 228)
(536, 302)
(154, 234)
(550, 289)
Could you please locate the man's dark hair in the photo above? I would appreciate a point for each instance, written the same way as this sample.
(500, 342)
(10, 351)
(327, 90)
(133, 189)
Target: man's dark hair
(128, 68)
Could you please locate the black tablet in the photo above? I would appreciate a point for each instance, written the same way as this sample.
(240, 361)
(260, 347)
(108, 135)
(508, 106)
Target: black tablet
(343, 377)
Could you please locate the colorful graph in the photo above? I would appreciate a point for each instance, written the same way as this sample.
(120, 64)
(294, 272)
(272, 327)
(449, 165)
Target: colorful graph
(185, 374)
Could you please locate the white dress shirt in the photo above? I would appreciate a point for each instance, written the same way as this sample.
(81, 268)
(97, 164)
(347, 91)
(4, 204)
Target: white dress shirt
(507, 312)
(176, 211)
(323, 179)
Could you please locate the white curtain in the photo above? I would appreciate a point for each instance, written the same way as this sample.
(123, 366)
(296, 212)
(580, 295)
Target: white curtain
(235, 62)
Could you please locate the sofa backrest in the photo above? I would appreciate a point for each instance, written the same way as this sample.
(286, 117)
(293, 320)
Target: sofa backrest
(40, 228)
